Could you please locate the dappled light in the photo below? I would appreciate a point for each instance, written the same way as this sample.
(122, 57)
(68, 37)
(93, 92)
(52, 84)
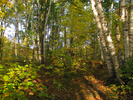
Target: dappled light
(66, 50)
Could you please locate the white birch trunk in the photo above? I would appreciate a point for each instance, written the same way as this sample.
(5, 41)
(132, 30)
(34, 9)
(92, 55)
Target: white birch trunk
(26, 26)
(16, 28)
(110, 43)
(111, 17)
(131, 30)
(125, 30)
(118, 37)
(46, 20)
(32, 29)
(27, 20)
(101, 35)
(100, 47)
(37, 29)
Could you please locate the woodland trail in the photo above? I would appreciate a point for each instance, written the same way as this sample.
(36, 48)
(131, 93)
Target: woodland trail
(81, 85)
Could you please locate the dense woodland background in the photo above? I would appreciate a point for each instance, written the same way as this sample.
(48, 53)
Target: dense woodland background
(66, 50)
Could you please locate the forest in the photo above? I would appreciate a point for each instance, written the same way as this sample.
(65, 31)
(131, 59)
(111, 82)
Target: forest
(66, 49)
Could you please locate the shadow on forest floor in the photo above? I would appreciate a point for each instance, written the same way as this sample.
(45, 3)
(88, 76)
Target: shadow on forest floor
(79, 85)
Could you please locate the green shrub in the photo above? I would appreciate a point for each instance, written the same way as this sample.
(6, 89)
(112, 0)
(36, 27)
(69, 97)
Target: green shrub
(127, 74)
(15, 79)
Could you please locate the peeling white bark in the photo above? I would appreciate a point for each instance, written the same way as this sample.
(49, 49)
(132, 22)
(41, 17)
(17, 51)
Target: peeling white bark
(131, 30)
(110, 43)
(125, 29)
(103, 42)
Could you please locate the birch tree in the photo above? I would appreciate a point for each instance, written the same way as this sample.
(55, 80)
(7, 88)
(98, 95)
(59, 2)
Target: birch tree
(16, 28)
(103, 42)
(125, 29)
(110, 43)
(32, 29)
(100, 47)
(37, 30)
(131, 29)
(118, 37)
(45, 20)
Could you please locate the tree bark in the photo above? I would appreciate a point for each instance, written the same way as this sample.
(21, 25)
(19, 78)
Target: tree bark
(26, 26)
(110, 43)
(45, 19)
(125, 29)
(103, 42)
(118, 36)
(1, 40)
(16, 29)
(131, 30)
(32, 29)
(100, 48)
(37, 30)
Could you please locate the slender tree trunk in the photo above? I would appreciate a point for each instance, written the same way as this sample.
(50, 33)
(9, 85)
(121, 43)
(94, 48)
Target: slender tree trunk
(16, 29)
(131, 30)
(125, 30)
(100, 48)
(26, 28)
(26, 15)
(37, 30)
(58, 32)
(44, 31)
(118, 36)
(53, 35)
(22, 51)
(110, 43)
(102, 39)
(42, 35)
(49, 41)
(1, 30)
(111, 17)
(1, 40)
(32, 29)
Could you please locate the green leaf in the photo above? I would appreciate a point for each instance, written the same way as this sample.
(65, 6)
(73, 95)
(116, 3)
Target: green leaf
(49, 67)
(6, 78)
(47, 73)
(26, 65)
(19, 66)
(1, 66)
(32, 77)
(44, 87)
(9, 87)
(45, 95)
(26, 88)
(35, 90)
(84, 63)
(41, 94)
(25, 98)
(30, 83)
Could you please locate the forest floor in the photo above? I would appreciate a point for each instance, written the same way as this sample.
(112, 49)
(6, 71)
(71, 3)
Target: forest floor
(90, 84)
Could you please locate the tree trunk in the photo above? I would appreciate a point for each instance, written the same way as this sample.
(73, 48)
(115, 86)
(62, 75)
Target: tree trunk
(131, 30)
(32, 29)
(1, 45)
(100, 48)
(111, 17)
(110, 43)
(103, 42)
(125, 30)
(16, 29)
(26, 15)
(118, 41)
(1, 40)
(44, 31)
(37, 30)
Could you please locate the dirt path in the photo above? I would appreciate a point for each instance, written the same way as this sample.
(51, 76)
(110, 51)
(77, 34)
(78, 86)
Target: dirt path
(77, 86)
